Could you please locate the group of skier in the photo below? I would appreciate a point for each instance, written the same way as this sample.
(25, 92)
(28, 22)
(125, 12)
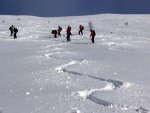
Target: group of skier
(68, 32)
(13, 31)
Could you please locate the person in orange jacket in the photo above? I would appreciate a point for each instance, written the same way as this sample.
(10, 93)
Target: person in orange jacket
(92, 35)
(59, 30)
(81, 28)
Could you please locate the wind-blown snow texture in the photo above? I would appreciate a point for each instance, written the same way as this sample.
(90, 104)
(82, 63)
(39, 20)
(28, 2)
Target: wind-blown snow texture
(41, 74)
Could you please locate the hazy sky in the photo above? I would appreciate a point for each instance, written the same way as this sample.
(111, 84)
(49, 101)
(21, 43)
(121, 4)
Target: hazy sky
(51, 8)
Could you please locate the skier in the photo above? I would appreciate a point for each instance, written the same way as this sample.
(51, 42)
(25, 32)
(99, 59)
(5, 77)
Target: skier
(93, 36)
(81, 28)
(59, 30)
(11, 28)
(15, 32)
(55, 33)
(68, 33)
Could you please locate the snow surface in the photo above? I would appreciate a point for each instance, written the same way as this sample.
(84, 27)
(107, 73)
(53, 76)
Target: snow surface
(41, 74)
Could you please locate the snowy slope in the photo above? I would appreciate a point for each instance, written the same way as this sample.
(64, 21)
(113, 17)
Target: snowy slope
(41, 74)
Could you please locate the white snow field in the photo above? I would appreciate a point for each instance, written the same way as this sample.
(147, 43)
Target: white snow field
(42, 74)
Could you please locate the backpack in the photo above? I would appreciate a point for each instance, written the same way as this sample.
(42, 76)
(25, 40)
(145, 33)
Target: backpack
(93, 33)
(82, 27)
(60, 28)
(69, 28)
(11, 28)
(16, 30)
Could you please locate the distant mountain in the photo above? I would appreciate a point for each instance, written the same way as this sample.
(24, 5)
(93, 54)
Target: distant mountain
(73, 7)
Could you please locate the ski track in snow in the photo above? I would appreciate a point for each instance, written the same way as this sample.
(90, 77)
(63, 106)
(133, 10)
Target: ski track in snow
(89, 94)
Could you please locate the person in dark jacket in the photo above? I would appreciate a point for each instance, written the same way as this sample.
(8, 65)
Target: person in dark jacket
(68, 33)
(55, 33)
(15, 32)
(92, 35)
(11, 28)
(81, 28)
(59, 30)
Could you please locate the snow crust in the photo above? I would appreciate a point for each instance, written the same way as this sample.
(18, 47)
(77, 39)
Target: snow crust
(42, 74)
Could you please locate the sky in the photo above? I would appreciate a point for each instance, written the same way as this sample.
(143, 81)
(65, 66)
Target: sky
(57, 8)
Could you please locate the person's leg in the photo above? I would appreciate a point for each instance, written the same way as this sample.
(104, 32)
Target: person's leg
(55, 36)
(67, 38)
(14, 35)
(82, 32)
(92, 39)
(59, 33)
(11, 33)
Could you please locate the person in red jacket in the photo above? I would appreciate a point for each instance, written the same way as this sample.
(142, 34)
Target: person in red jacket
(68, 33)
(81, 28)
(92, 35)
(59, 30)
